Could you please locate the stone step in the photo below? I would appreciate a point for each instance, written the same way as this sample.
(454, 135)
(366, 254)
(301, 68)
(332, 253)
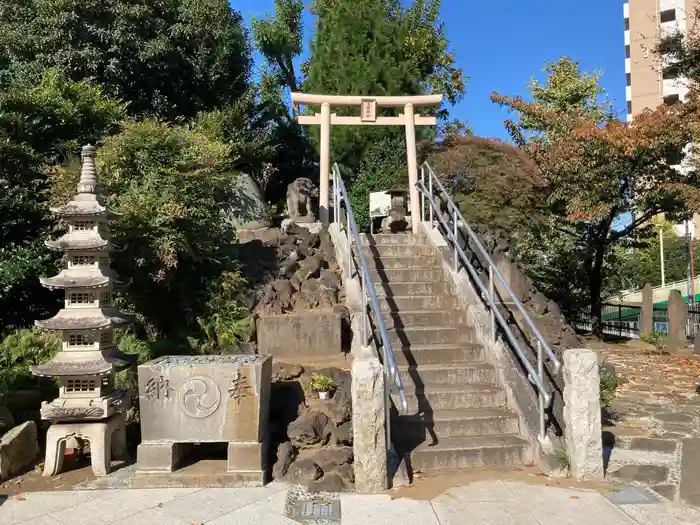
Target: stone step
(448, 374)
(411, 288)
(437, 354)
(427, 335)
(407, 318)
(457, 453)
(398, 250)
(399, 303)
(450, 397)
(469, 422)
(401, 263)
(393, 239)
(407, 274)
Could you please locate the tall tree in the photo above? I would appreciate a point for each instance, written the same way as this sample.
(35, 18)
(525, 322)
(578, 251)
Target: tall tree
(598, 169)
(168, 58)
(376, 47)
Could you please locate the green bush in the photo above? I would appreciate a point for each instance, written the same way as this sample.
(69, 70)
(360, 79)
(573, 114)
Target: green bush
(608, 385)
(21, 349)
(658, 339)
(172, 185)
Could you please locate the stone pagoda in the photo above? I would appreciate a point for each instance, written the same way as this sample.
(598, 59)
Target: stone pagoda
(88, 406)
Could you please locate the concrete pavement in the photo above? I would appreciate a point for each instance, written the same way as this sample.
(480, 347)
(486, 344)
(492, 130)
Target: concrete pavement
(491, 502)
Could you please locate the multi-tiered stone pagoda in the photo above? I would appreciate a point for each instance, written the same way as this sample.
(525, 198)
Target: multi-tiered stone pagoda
(88, 405)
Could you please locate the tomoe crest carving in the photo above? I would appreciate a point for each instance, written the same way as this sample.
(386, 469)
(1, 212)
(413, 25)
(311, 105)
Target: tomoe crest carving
(199, 397)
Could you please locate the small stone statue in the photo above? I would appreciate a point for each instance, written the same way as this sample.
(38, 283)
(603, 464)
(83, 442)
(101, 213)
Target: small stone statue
(301, 196)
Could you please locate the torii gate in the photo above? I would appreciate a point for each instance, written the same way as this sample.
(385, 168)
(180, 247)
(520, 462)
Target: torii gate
(368, 116)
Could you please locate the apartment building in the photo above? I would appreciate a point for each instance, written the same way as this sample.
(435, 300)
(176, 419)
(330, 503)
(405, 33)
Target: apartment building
(649, 82)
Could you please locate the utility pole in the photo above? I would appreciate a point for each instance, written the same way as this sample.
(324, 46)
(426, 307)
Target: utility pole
(661, 250)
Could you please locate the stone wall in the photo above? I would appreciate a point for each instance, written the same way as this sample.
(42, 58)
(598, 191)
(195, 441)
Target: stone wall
(311, 439)
(292, 272)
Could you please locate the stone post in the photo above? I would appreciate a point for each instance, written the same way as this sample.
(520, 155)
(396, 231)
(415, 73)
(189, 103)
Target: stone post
(368, 426)
(582, 419)
(677, 320)
(646, 317)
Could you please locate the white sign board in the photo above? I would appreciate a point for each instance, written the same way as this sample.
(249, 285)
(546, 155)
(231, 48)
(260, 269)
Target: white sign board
(379, 204)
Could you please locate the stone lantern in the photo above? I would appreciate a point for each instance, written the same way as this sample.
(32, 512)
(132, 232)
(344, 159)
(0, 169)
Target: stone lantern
(88, 406)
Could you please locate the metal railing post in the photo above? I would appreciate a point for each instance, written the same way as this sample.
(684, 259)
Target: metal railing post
(347, 233)
(493, 300)
(540, 373)
(430, 195)
(422, 196)
(365, 338)
(455, 262)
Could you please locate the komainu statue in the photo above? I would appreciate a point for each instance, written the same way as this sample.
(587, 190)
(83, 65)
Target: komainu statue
(301, 200)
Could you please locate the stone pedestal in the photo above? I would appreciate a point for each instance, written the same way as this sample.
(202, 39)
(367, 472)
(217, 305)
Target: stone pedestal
(582, 419)
(369, 426)
(205, 399)
(107, 441)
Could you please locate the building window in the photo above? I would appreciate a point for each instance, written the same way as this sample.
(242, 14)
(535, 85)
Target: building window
(669, 100)
(629, 107)
(627, 51)
(627, 24)
(104, 261)
(106, 338)
(629, 79)
(669, 73)
(669, 15)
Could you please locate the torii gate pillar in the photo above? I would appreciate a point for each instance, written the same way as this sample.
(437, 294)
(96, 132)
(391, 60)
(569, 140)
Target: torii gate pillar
(368, 116)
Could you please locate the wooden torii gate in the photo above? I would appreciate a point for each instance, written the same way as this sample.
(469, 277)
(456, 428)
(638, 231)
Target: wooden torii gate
(368, 116)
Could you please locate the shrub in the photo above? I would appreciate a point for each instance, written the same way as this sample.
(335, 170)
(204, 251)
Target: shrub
(658, 339)
(171, 184)
(608, 385)
(21, 349)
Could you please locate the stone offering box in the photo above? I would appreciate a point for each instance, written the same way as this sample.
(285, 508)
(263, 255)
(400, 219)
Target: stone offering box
(316, 333)
(205, 399)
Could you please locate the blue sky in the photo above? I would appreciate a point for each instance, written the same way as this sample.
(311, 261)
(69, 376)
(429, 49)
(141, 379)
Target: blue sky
(501, 44)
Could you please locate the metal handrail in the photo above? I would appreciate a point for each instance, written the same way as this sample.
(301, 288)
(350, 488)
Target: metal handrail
(536, 378)
(391, 373)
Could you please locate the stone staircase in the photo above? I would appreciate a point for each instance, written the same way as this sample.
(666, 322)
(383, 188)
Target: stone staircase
(457, 416)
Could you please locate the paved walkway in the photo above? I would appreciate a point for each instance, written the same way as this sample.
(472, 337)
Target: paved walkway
(490, 502)
(655, 441)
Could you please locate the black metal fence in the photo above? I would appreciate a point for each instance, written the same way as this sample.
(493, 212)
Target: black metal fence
(618, 320)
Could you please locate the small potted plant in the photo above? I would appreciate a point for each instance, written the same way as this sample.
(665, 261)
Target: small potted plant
(322, 384)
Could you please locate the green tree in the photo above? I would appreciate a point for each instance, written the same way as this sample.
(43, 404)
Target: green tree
(171, 184)
(642, 265)
(170, 58)
(43, 120)
(376, 47)
(597, 169)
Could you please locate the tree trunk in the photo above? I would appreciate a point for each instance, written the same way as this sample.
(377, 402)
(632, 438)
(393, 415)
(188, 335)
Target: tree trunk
(595, 287)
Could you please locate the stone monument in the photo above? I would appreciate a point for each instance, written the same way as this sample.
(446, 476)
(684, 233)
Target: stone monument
(88, 406)
(301, 201)
(205, 399)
